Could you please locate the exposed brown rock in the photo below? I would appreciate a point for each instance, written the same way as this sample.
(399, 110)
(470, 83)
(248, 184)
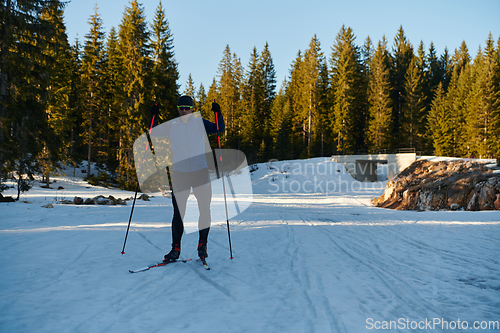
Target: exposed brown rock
(444, 185)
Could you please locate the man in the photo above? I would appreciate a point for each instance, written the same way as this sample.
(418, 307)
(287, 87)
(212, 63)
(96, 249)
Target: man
(189, 170)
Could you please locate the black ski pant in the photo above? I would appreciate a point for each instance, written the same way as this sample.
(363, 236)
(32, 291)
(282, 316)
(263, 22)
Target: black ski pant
(182, 183)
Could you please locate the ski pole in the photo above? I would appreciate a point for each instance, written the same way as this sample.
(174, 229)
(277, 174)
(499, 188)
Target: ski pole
(135, 195)
(223, 184)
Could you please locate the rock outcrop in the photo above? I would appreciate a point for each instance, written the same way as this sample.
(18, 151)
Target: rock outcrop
(444, 185)
(100, 200)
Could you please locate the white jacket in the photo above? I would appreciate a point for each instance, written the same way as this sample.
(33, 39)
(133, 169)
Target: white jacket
(187, 142)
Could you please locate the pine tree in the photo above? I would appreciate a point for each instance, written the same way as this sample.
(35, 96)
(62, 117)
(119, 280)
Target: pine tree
(135, 52)
(165, 73)
(295, 95)
(439, 124)
(229, 85)
(281, 125)
(311, 94)
(59, 113)
(461, 57)
(496, 111)
(206, 109)
(203, 102)
(435, 75)
(307, 93)
(190, 89)
(349, 101)
(483, 103)
(269, 82)
(445, 69)
(237, 107)
(114, 96)
(269, 78)
(366, 59)
(367, 54)
(401, 57)
(24, 78)
(324, 147)
(77, 149)
(74, 84)
(92, 76)
(253, 96)
(380, 103)
(457, 95)
(413, 109)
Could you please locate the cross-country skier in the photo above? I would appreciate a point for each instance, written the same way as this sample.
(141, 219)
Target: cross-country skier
(189, 170)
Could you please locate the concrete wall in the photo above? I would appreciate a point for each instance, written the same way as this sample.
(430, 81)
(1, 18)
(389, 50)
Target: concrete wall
(395, 162)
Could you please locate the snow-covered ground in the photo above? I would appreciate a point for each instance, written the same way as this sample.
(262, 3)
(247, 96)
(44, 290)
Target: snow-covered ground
(311, 255)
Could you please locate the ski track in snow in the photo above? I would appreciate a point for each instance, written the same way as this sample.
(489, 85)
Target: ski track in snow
(304, 262)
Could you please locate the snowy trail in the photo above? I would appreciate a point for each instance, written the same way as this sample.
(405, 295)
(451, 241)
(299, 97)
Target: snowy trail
(386, 270)
(303, 263)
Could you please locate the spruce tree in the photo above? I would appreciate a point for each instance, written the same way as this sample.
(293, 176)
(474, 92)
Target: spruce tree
(203, 103)
(413, 109)
(440, 125)
(228, 97)
(24, 78)
(436, 74)
(401, 57)
(349, 101)
(190, 89)
(496, 112)
(59, 112)
(367, 53)
(253, 96)
(461, 57)
(307, 91)
(114, 96)
(237, 107)
(93, 94)
(314, 62)
(269, 77)
(380, 103)
(445, 69)
(269, 82)
(457, 95)
(135, 52)
(76, 151)
(324, 148)
(295, 94)
(281, 125)
(483, 103)
(206, 108)
(165, 73)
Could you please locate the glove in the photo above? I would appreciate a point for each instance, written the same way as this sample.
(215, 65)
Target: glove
(216, 109)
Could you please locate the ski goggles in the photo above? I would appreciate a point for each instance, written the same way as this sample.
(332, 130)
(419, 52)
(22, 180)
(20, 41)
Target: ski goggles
(184, 107)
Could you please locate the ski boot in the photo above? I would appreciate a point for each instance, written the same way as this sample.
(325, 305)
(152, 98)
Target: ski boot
(174, 254)
(202, 250)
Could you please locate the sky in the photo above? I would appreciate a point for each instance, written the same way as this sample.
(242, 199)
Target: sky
(202, 29)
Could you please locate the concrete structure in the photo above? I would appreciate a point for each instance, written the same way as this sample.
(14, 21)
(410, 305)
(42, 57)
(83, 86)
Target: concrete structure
(395, 163)
(366, 170)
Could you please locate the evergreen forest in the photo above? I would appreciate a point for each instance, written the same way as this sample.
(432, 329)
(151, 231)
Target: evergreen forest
(90, 100)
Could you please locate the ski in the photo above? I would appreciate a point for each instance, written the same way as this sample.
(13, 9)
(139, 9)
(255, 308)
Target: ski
(204, 263)
(158, 264)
